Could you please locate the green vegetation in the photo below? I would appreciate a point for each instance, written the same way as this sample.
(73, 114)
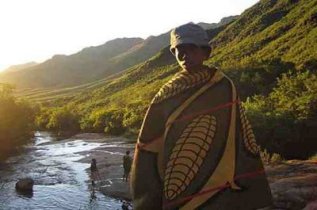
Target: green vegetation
(269, 158)
(313, 158)
(16, 124)
(280, 119)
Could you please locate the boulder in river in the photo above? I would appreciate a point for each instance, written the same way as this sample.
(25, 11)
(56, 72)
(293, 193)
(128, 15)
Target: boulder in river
(25, 185)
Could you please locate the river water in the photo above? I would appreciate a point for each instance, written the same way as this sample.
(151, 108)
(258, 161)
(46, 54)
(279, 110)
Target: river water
(60, 181)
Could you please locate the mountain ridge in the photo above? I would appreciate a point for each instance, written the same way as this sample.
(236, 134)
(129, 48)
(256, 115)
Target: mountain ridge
(92, 63)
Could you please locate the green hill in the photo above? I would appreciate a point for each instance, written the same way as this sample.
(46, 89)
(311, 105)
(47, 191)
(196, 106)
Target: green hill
(270, 30)
(62, 70)
(19, 67)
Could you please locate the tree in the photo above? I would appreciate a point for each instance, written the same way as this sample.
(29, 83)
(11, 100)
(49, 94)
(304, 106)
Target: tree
(17, 121)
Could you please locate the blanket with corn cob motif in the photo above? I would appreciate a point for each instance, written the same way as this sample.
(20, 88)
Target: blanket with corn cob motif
(195, 147)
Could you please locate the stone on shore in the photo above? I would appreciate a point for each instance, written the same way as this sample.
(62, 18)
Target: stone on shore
(293, 184)
(117, 188)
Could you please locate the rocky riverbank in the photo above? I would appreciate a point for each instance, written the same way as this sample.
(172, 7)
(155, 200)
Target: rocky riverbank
(109, 162)
(293, 183)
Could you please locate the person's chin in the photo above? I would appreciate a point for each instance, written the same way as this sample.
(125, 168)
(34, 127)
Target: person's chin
(190, 69)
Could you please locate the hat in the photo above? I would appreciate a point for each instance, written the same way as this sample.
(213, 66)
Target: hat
(189, 33)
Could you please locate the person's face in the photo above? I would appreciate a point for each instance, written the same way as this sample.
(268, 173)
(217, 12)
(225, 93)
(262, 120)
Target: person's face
(190, 57)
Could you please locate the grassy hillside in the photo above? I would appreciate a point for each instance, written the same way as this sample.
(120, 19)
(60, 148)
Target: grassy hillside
(270, 30)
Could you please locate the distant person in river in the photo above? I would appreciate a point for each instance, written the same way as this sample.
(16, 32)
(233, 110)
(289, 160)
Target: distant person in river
(196, 148)
(94, 172)
(127, 162)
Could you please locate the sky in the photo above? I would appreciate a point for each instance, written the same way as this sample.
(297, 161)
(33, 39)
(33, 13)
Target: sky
(35, 30)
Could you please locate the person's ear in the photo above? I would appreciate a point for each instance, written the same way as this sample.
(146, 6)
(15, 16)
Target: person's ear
(207, 52)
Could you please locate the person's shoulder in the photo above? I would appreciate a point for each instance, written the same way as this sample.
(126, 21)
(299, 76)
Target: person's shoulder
(223, 78)
(225, 83)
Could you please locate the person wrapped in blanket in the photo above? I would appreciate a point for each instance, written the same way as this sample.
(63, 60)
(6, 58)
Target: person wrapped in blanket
(196, 148)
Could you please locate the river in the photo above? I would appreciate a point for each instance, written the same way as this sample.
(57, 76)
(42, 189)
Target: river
(60, 181)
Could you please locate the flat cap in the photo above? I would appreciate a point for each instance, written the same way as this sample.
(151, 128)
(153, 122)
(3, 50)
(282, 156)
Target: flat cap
(189, 33)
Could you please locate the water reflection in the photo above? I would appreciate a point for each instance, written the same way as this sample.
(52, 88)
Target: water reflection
(93, 195)
(26, 194)
(60, 181)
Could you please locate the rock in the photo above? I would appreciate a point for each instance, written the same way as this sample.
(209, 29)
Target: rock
(116, 188)
(25, 184)
(293, 184)
(311, 205)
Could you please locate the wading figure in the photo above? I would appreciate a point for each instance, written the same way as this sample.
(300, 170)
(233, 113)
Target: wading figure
(127, 162)
(196, 148)
(94, 172)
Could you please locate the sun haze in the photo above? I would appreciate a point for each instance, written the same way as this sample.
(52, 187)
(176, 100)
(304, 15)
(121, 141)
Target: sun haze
(35, 30)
